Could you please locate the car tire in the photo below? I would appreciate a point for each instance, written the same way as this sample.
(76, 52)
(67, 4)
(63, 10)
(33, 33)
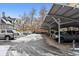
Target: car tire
(61, 40)
(7, 38)
(56, 39)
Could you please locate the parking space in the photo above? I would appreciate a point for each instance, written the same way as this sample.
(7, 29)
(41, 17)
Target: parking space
(36, 45)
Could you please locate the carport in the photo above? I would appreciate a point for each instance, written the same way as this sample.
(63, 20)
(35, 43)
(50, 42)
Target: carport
(60, 16)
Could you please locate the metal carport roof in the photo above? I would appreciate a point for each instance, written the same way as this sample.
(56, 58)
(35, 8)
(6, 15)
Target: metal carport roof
(69, 16)
(61, 16)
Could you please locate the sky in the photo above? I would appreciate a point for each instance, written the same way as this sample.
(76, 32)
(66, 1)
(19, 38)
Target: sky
(17, 9)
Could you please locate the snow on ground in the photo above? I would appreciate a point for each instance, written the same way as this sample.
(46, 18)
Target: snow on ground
(3, 50)
(75, 51)
(33, 45)
(29, 38)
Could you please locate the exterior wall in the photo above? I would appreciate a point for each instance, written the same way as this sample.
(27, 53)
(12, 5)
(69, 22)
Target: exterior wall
(6, 26)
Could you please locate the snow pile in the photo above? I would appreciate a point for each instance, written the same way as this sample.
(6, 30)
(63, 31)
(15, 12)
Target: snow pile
(29, 38)
(75, 51)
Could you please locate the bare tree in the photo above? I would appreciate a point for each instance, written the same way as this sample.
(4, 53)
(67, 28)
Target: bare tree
(22, 20)
(26, 20)
(43, 12)
(32, 14)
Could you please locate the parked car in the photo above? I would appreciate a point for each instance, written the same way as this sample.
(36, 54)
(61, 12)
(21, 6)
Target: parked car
(68, 36)
(8, 34)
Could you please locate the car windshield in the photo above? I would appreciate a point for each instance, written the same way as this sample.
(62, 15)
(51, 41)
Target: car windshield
(9, 31)
(2, 31)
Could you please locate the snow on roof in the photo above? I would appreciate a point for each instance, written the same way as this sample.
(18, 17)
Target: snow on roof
(7, 22)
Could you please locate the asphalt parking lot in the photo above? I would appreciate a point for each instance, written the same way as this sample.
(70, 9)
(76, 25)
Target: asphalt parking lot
(31, 45)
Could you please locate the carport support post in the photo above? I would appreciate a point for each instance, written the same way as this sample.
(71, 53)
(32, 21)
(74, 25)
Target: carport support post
(58, 22)
(73, 44)
(59, 31)
(50, 30)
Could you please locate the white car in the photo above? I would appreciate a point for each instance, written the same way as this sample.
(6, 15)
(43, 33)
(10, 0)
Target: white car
(8, 34)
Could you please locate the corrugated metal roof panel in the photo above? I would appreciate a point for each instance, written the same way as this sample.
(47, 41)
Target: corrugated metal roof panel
(71, 12)
(55, 8)
(62, 10)
(65, 11)
(69, 16)
(75, 16)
